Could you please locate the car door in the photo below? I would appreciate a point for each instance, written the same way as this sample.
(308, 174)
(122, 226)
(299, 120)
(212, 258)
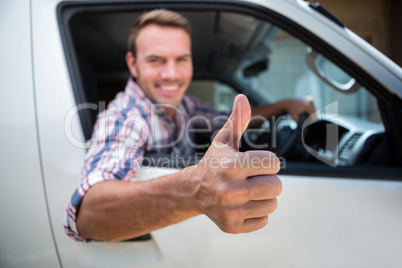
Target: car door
(26, 232)
(327, 216)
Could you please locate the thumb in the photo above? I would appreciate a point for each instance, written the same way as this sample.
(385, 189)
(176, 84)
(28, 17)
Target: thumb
(237, 123)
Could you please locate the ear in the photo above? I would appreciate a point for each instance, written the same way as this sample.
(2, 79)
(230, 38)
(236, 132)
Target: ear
(130, 61)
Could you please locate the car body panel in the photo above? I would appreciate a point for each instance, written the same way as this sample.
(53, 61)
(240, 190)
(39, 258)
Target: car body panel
(62, 159)
(26, 233)
(320, 222)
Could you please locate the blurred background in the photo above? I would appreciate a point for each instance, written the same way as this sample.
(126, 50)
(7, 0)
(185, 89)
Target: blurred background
(379, 22)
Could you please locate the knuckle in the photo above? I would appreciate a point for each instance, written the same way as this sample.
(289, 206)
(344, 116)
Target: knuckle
(270, 186)
(277, 186)
(272, 205)
(229, 228)
(264, 221)
(275, 162)
(261, 222)
(273, 186)
(227, 216)
(225, 194)
(225, 227)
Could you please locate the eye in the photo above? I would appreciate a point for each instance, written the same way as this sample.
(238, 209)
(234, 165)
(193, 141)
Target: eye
(184, 59)
(154, 59)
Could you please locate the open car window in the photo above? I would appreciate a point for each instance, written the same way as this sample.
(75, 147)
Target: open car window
(237, 51)
(289, 69)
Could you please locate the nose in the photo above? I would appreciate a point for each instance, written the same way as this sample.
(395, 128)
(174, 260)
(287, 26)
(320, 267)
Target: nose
(170, 71)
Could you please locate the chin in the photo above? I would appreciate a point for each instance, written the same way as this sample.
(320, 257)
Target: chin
(169, 102)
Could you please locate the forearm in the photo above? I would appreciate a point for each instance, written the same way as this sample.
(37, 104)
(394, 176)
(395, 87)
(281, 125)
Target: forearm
(261, 113)
(119, 210)
(293, 107)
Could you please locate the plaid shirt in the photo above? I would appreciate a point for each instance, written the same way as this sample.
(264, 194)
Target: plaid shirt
(134, 125)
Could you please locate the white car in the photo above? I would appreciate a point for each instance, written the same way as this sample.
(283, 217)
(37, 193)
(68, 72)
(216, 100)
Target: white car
(341, 205)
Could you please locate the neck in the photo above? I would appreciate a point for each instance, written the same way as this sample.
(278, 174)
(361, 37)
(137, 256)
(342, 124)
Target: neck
(169, 112)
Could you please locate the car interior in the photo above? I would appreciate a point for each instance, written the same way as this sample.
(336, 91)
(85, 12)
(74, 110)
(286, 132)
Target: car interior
(239, 50)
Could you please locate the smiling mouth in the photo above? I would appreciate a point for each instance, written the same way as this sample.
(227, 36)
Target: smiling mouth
(169, 88)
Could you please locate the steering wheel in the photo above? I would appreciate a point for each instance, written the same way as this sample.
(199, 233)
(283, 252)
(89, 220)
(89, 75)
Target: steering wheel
(293, 139)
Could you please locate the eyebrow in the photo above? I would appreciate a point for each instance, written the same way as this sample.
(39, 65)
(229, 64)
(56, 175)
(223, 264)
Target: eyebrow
(185, 55)
(156, 56)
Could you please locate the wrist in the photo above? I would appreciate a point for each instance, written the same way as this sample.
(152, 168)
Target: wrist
(190, 178)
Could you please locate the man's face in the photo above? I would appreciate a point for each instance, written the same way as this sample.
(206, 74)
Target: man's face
(163, 64)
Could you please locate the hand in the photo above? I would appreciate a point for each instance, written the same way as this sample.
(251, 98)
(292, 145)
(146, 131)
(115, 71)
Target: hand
(236, 190)
(297, 107)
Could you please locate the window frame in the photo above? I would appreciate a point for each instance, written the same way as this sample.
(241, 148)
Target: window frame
(387, 102)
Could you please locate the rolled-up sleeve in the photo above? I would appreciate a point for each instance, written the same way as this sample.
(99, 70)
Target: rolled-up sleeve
(114, 152)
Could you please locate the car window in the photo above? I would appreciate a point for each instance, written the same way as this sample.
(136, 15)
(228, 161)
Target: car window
(276, 65)
(216, 94)
(260, 56)
(279, 68)
(288, 75)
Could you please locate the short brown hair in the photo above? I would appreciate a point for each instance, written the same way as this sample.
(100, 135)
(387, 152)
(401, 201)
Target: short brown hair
(160, 17)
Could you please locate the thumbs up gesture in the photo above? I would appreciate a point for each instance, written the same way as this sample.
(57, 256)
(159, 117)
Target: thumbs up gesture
(235, 190)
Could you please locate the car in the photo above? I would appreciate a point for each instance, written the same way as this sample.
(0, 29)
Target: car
(63, 61)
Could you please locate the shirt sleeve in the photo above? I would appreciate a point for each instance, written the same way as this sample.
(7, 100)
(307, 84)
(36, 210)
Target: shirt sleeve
(115, 153)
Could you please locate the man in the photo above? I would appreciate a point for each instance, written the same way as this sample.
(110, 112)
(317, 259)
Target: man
(235, 190)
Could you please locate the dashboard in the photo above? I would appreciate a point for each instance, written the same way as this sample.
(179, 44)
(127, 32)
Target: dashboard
(343, 140)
